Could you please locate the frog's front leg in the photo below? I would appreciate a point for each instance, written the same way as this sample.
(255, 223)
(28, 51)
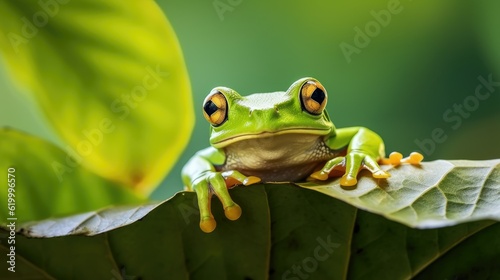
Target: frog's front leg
(201, 176)
(364, 149)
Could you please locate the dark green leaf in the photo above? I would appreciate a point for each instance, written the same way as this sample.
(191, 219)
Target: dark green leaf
(285, 232)
(167, 243)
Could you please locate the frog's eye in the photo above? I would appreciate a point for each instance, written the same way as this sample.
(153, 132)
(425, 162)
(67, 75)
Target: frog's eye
(313, 97)
(215, 108)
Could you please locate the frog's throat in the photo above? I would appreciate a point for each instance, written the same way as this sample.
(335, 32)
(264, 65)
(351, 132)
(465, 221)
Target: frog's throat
(311, 131)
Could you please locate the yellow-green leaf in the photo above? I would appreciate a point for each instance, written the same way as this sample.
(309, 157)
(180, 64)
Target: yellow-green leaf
(110, 78)
(41, 190)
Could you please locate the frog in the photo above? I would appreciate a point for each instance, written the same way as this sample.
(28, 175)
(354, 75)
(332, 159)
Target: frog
(276, 137)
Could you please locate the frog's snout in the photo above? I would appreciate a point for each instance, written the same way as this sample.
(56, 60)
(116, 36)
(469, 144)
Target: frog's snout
(264, 114)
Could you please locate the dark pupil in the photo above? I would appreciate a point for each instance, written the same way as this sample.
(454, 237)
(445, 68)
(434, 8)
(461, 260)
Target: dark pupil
(210, 108)
(318, 95)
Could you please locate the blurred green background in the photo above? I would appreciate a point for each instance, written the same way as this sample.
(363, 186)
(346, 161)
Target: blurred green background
(403, 74)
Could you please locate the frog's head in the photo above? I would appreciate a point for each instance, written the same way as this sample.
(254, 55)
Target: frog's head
(300, 109)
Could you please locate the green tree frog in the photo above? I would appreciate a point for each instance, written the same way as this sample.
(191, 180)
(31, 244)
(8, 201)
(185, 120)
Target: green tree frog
(277, 137)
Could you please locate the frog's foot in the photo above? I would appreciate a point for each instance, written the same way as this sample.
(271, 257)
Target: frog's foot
(215, 183)
(393, 159)
(208, 224)
(414, 158)
(324, 173)
(233, 177)
(396, 158)
(353, 162)
(371, 164)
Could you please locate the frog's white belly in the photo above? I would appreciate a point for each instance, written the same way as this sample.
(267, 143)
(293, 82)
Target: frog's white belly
(278, 158)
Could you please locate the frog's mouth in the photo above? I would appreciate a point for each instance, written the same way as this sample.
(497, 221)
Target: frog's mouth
(265, 134)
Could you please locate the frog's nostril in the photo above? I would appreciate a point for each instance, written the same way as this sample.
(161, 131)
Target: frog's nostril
(268, 114)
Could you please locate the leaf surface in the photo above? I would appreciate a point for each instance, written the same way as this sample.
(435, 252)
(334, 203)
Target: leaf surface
(167, 243)
(285, 232)
(433, 194)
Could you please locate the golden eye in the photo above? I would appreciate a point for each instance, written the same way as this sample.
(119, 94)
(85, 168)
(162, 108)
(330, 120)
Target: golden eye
(313, 97)
(215, 108)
